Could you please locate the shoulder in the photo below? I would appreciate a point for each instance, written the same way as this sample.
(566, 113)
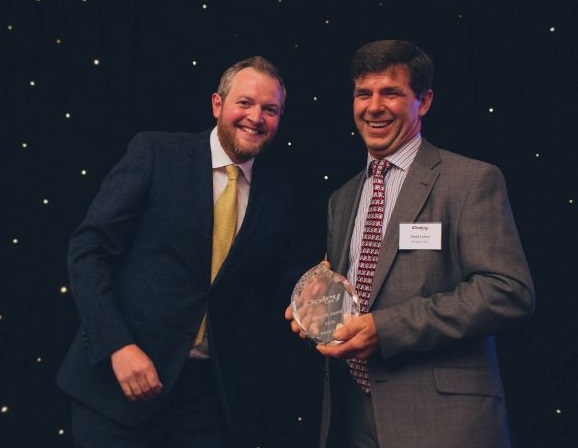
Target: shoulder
(168, 140)
(453, 163)
(457, 174)
(268, 178)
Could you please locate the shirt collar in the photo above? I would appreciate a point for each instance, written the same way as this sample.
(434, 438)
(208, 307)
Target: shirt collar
(220, 158)
(402, 158)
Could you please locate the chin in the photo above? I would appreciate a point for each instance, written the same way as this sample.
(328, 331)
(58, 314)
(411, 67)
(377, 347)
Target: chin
(247, 153)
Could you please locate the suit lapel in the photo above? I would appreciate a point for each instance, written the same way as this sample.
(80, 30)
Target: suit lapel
(351, 195)
(201, 205)
(258, 196)
(416, 189)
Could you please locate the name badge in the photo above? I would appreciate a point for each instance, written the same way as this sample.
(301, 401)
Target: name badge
(420, 235)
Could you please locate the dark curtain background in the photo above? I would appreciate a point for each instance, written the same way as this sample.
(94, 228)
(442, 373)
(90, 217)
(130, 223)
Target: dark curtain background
(79, 77)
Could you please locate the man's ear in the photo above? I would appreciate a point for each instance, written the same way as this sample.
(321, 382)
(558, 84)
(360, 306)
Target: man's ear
(425, 102)
(217, 103)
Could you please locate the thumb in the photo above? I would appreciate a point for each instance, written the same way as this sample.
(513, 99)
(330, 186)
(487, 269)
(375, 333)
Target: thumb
(341, 332)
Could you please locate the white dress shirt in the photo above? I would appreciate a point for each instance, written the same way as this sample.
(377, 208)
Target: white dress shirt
(400, 162)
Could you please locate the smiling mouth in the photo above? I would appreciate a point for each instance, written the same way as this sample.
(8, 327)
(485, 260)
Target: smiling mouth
(378, 124)
(250, 131)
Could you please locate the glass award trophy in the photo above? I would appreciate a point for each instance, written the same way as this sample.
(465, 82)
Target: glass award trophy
(321, 301)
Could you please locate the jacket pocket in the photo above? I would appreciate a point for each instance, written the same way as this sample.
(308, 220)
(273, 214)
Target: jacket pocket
(468, 381)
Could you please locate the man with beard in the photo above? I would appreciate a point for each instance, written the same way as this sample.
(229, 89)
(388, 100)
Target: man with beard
(151, 364)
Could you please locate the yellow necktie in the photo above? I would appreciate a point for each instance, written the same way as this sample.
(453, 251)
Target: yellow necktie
(224, 229)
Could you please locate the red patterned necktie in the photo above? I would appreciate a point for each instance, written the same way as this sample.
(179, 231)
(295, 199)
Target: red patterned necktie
(370, 247)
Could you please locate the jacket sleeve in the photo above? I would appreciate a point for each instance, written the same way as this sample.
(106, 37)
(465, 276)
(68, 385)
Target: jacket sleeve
(480, 286)
(97, 247)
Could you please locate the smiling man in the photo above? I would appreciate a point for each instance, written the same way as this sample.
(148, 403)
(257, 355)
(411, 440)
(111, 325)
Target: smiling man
(183, 229)
(433, 251)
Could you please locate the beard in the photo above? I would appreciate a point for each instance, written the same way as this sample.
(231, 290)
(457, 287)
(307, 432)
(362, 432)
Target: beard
(237, 150)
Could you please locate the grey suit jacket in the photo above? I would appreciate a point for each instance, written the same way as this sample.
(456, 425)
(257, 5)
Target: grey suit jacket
(435, 380)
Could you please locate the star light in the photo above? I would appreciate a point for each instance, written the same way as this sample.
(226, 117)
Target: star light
(32, 83)
(24, 145)
(67, 115)
(61, 432)
(15, 241)
(96, 62)
(326, 177)
(552, 29)
(491, 110)
(4, 409)
(63, 289)
(83, 172)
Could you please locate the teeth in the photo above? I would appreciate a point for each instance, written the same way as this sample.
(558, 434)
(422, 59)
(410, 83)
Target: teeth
(250, 130)
(380, 124)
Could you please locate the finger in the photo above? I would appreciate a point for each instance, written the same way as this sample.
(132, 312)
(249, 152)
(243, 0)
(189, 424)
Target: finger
(344, 350)
(135, 392)
(331, 352)
(127, 391)
(143, 390)
(153, 385)
(288, 313)
(351, 328)
(295, 327)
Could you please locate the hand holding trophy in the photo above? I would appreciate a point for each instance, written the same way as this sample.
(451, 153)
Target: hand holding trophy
(321, 301)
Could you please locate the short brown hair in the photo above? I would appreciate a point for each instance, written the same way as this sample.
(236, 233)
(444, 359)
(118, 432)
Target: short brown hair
(258, 63)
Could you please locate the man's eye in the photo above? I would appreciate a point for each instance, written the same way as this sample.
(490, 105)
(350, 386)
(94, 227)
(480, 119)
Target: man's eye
(272, 112)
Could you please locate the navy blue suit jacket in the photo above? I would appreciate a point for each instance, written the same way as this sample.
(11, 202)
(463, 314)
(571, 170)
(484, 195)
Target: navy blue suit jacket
(139, 268)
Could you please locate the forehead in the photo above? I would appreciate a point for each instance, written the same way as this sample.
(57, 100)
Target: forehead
(252, 83)
(397, 75)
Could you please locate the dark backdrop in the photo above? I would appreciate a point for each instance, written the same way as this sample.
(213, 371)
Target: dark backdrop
(79, 78)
